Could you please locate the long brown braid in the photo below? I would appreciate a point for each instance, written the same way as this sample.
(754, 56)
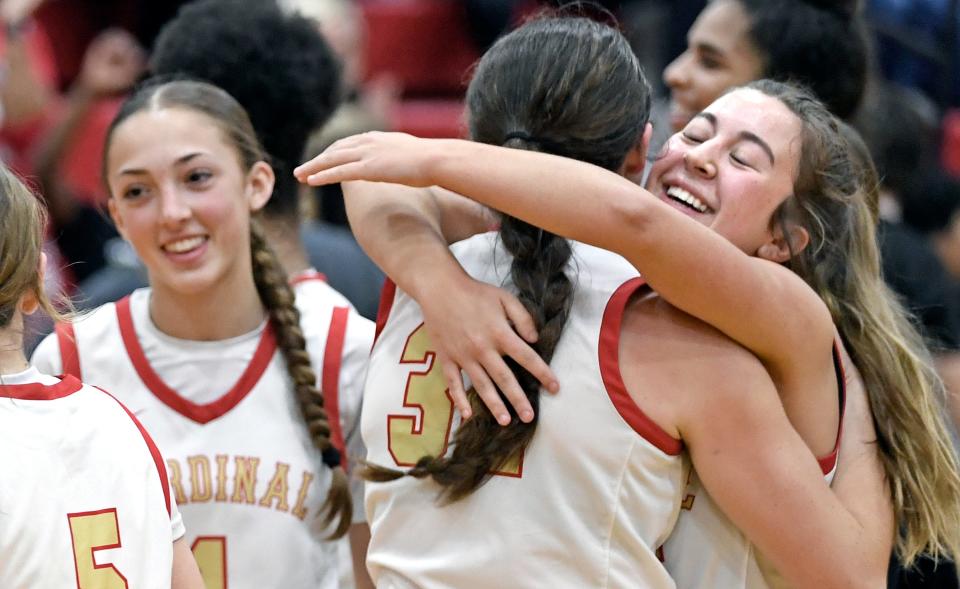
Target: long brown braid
(270, 279)
(278, 298)
(568, 86)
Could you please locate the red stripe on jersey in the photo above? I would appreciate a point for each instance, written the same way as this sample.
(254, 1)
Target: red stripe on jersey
(307, 276)
(609, 353)
(387, 296)
(200, 413)
(154, 451)
(330, 379)
(828, 462)
(69, 355)
(35, 391)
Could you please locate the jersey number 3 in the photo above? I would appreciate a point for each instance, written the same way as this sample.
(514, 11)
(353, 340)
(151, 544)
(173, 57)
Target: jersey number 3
(411, 438)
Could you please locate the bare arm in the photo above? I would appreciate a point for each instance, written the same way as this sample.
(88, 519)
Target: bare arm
(186, 575)
(763, 477)
(471, 323)
(758, 303)
(111, 65)
(359, 540)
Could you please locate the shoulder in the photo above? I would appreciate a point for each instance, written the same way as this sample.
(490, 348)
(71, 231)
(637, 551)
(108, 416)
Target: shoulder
(680, 366)
(313, 292)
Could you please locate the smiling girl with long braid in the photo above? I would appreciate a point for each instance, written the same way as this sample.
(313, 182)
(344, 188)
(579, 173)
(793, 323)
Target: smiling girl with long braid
(251, 403)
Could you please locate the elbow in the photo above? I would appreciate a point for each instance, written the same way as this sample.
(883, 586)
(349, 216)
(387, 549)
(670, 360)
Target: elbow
(631, 216)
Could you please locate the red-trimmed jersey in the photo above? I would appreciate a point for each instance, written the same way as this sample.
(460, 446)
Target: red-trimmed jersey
(85, 500)
(706, 550)
(248, 479)
(588, 502)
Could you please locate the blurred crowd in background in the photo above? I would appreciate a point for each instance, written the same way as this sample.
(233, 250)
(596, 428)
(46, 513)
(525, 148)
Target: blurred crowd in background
(66, 65)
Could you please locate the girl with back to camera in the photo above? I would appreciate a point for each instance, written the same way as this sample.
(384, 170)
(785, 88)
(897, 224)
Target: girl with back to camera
(85, 497)
(214, 355)
(717, 194)
(654, 346)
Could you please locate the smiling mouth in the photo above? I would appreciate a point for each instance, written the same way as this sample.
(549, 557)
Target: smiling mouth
(182, 246)
(686, 199)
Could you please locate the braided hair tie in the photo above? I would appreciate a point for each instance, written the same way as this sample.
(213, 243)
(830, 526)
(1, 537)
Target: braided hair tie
(546, 145)
(331, 457)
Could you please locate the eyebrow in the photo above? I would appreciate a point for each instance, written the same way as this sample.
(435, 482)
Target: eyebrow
(138, 171)
(709, 48)
(743, 136)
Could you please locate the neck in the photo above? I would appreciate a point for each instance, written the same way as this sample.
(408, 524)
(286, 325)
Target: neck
(228, 309)
(283, 235)
(12, 359)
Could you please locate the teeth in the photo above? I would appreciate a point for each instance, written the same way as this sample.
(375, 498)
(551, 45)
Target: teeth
(184, 245)
(677, 193)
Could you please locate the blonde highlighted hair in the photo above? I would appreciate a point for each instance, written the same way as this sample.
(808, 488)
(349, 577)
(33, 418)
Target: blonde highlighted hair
(834, 199)
(23, 219)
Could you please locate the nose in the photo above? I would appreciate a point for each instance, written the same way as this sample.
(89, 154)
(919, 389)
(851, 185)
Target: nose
(674, 75)
(174, 209)
(700, 160)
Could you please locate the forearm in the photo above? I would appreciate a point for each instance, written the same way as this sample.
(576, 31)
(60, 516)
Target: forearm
(359, 541)
(24, 94)
(51, 151)
(769, 485)
(742, 296)
(399, 228)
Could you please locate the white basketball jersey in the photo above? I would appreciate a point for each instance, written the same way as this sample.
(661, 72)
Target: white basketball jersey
(84, 500)
(586, 505)
(249, 480)
(706, 550)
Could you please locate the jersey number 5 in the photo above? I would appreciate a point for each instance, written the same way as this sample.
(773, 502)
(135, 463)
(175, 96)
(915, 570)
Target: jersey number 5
(411, 438)
(92, 531)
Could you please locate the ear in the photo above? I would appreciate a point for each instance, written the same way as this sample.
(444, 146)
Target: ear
(260, 182)
(30, 302)
(636, 159)
(116, 216)
(778, 248)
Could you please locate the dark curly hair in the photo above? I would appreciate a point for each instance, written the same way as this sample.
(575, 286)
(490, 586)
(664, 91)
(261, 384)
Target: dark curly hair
(276, 65)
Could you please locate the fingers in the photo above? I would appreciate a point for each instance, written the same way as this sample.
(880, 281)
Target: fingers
(506, 381)
(488, 393)
(525, 356)
(518, 316)
(454, 378)
(340, 173)
(340, 153)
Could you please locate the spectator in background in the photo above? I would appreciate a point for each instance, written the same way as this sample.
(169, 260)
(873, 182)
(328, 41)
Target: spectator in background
(933, 209)
(28, 82)
(917, 45)
(112, 64)
(900, 128)
(733, 42)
